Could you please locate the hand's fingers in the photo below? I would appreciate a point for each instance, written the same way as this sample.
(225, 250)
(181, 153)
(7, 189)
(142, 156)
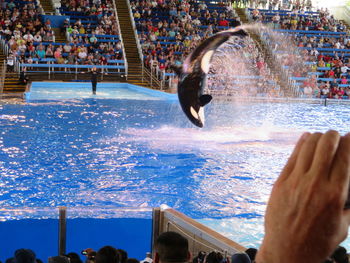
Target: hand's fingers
(288, 168)
(339, 176)
(326, 149)
(307, 152)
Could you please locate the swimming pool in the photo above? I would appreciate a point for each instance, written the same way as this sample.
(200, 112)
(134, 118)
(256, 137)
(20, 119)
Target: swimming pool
(131, 147)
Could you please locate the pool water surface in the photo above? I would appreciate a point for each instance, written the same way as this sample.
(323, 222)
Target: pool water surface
(131, 147)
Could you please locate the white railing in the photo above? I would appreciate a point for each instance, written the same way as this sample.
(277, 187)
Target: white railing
(120, 37)
(135, 32)
(2, 76)
(5, 48)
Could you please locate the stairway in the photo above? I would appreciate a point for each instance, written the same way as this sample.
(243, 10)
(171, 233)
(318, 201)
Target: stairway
(47, 6)
(12, 83)
(267, 55)
(60, 37)
(131, 50)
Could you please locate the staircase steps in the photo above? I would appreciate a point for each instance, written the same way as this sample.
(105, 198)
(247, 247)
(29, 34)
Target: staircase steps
(47, 6)
(60, 37)
(130, 47)
(12, 83)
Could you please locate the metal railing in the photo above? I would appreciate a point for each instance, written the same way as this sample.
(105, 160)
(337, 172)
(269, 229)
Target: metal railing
(135, 32)
(120, 37)
(200, 237)
(2, 76)
(75, 70)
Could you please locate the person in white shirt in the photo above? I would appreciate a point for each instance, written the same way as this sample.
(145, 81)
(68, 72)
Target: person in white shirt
(28, 37)
(37, 37)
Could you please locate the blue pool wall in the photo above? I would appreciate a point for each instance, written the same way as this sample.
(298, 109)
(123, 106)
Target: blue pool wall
(41, 235)
(71, 87)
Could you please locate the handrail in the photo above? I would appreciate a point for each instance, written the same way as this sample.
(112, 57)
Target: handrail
(9, 213)
(50, 70)
(135, 32)
(200, 236)
(2, 76)
(120, 37)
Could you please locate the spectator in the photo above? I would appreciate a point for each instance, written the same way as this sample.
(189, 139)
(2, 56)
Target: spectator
(240, 258)
(107, 254)
(59, 259)
(251, 252)
(10, 62)
(214, 257)
(148, 258)
(123, 255)
(171, 247)
(24, 256)
(74, 258)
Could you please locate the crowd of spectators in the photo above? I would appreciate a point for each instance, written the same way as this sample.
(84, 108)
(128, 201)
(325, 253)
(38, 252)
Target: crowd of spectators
(21, 27)
(32, 40)
(168, 30)
(249, 76)
(92, 33)
(324, 69)
(298, 19)
(106, 254)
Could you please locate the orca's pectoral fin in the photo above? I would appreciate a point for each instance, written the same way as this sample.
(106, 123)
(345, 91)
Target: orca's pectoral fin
(176, 69)
(205, 99)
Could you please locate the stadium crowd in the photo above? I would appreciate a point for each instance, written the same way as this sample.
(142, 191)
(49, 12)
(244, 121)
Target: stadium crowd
(169, 30)
(32, 40)
(324, 71)
(167, 240)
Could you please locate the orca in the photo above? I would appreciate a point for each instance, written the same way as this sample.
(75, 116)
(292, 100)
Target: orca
(193, 75)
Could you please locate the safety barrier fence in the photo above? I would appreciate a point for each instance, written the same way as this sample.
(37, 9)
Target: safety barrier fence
(76, 227)
(121, 37)
(201, 238)
(6, 50)
(2, 76)
(71, 69)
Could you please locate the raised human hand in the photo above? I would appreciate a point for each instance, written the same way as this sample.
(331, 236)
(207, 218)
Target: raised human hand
(305, 218)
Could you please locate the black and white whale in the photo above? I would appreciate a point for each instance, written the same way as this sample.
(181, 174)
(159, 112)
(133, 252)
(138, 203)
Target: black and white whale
(193, 75)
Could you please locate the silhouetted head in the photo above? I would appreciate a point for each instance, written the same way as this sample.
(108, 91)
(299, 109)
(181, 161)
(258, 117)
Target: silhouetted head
(240, 258)
(171, 247)
(24, 256)
(251, 252)
(107, 254)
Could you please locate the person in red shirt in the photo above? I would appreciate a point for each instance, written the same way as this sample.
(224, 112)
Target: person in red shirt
(343, 80)
(223, 22)
(340, 93)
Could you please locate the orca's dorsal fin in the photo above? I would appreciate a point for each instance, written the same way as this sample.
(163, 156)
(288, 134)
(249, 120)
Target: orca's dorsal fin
(205, 99)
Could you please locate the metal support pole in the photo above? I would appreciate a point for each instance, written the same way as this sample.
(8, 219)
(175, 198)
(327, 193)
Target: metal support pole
(156, 226)
(62, 231)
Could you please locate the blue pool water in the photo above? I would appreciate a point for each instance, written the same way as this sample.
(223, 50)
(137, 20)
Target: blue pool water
(131, 147)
